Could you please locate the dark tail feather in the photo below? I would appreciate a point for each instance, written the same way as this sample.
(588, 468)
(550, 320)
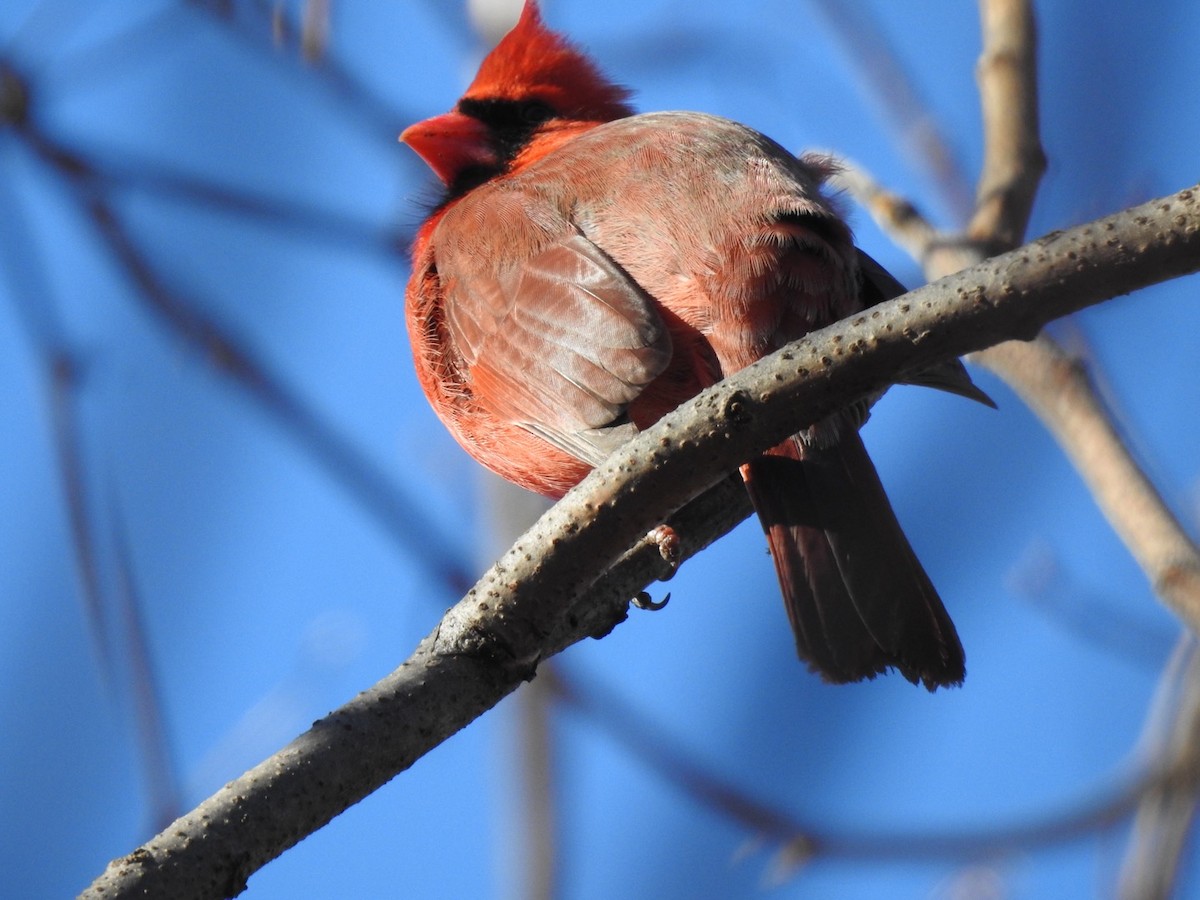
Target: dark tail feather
(857, 597)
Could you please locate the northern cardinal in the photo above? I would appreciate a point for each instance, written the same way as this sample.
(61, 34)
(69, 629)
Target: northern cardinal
(590, 269)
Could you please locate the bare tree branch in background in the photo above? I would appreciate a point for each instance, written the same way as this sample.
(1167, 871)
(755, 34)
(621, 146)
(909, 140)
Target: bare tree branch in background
(918, 134)
(1054, 385)
(1058, 389)
(537, 816)
(528, 839)
(403, 519)
(1167, 808)
(801, 841)
(120, 642)
(164, 794)
(1013, 161)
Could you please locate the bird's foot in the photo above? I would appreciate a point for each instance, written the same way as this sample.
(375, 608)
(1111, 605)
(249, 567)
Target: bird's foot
(667, 540)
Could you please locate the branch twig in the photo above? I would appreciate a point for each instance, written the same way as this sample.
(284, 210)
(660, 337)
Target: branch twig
(1167, 808)
(920, 138)
(804, 840)
(373, 489)
(1057, 388)
(1013, 160)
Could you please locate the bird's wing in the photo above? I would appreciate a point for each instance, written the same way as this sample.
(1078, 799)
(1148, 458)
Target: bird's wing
(559, 343)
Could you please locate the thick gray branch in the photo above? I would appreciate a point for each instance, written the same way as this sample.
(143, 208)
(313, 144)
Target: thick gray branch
(545, 594)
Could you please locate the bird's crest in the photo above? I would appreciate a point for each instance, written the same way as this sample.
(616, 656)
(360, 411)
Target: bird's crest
(532, 62)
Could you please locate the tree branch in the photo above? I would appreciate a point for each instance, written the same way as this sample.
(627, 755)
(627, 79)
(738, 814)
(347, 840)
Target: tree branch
(1168, 805)
(1055, 386)
(374, 490)
(492, 640)
(918, 135)
(802, 840)
(1013, 160)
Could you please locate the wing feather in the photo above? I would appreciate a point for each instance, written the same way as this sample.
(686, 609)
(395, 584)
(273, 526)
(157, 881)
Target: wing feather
(559, 343)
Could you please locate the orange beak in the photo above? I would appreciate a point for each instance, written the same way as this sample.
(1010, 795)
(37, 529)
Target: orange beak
(451, 143)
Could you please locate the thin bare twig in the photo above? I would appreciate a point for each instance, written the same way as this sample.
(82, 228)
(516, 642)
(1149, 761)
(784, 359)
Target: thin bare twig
(1013, 160)
(164, 797)
(1057, 388)
(1167, 810)
(807, 840)
(514, 617)
(922, 141)
(60, 367)
(379, 495)
(903, 222)
(258, 24)
(122, 640)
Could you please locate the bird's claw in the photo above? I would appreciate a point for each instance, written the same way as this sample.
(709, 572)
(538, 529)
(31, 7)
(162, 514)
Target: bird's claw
(643, 601)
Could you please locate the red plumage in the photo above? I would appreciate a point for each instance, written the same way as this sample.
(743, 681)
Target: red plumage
(590, 269)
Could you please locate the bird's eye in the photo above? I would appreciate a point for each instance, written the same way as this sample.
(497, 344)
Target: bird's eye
(535, 112)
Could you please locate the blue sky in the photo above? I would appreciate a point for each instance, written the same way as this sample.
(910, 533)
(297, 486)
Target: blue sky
(272, 586)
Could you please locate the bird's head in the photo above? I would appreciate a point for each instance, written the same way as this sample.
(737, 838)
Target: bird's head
(532, 85)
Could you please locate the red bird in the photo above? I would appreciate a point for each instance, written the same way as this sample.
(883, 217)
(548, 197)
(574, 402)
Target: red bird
(590, 269)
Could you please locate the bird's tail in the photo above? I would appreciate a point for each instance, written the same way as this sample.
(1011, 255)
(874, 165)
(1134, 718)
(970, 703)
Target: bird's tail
(857, 597)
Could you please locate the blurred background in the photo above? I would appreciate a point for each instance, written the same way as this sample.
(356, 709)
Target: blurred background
(230, 509)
